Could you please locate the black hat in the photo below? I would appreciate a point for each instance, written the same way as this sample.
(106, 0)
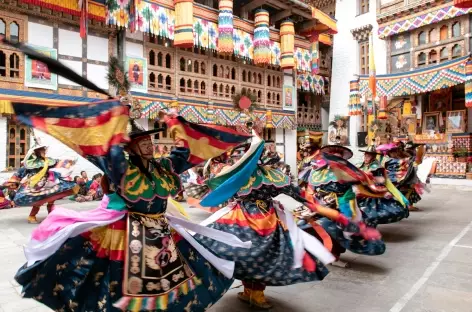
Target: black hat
(370, 150)
(138, 132)
(337, 149)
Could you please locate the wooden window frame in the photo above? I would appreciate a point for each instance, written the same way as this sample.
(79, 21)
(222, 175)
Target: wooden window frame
(17, 157)
(364, 56)
(363, 6)
(21, 21)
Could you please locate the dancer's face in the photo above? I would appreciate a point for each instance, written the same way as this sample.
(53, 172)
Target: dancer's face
(368, 158)
(143, 148)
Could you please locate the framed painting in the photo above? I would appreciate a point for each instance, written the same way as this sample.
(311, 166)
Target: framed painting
(455, 121)
(408, 124)
(137, 73)
(431, 122)
(440, 100)
(37, 74)
(289, 98)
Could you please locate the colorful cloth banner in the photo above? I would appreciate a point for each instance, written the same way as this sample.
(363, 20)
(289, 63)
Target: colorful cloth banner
(355, 107)
(87, 129)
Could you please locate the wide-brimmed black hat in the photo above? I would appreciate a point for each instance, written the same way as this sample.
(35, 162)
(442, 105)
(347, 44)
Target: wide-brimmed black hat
(138, 132)
(412, 145)
(337, 149)
(370, 150)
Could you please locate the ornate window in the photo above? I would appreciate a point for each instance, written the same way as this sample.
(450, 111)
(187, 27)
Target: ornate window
(433, 57)
(456, 29)
(443, 32)
(168, 61)
(421, 38)
(456, 51)
(363, 6)
(17, 144)
(182, 64)
(14, 32)
(421, 59)
(364, 57)
(433, 35)
(168, 82)
(152, 57)
(443, 54)
(152, 80)
(3, 30)
(3, 64)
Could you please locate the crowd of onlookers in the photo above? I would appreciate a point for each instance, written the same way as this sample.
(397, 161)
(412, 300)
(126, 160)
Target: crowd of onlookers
(89, 189)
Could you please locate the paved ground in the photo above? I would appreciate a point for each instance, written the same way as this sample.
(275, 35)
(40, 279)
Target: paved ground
(427, 266)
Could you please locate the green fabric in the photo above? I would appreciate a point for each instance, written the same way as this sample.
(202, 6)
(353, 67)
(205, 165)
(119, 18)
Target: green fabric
(136, 186)
(34, 163)
(265, 176)
(322, 176)
(116, 202)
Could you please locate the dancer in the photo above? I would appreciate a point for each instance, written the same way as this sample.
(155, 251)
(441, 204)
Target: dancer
(380, 202)
(325, 187)
(402, 171)
(281, 253)
(124, 255)
(42, 180)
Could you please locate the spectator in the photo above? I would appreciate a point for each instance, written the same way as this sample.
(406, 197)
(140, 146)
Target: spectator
(84, 176)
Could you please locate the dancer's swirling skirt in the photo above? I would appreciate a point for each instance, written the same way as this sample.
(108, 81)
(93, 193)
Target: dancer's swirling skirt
(355, 244)
(270, 259)
(86, 274)
(381, 210)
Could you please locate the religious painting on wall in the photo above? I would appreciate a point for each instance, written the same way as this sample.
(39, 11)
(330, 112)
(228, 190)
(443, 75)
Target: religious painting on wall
(338, 131)
(37, 74)
(137, 73)
(400, 42)
(440, 100)
(408, 124)
(431, 122)
(455, 121)
(289, 95)
(400, 63)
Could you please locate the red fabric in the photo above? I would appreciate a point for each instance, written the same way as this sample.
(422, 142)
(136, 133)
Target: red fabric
(308, 263)
(94, 186)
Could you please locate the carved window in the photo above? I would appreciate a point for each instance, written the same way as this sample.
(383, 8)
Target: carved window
(444, 54)
(244, 75)
(364, 57)
(168, 61)
(456, 29)
(433, 35)
(17, 144)
(203, 68)
(202, 88)
(160, 81)
(363, 6)
(14, 32)
(189, 66)
(421, 38)
(196, 67)
(3, 67)
(233, 73)
(152, 57)
(182, 64)
(152, 80)
(233, 90)
(215, 70)
(159, 59)
(456, 51)
(168, 82)
(259, 78)
(268, 80)
(421, 59)
(443, 32)
(189, 86)
(2, 27)
(182, 85)
(433, 57)
(196, 86)
(249, 76)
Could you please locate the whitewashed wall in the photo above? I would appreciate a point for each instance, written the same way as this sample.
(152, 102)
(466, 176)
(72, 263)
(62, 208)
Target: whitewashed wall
(3, 145)
(291, 135)
(346, 58)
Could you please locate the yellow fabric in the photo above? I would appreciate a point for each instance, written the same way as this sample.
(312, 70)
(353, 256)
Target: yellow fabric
(38, 176)
(370, 135)
(6, 108)
(94, 136)
(179, 207)
(325, 19)
(394, 191)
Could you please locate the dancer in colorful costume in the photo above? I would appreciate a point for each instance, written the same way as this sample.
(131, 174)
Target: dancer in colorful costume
(124, 255)
(380, 201)
(282, 254)
(402, 170)
(42, 180)
(325, 187)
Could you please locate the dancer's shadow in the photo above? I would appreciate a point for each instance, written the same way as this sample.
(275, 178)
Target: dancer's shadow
(368, 267)
(393, 235)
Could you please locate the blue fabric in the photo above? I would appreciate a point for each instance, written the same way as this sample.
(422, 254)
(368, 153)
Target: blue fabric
(355, 244)
(76, 279)
(232, 185)
(381, 210)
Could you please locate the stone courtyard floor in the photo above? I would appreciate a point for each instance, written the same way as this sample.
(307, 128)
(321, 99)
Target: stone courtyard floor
(427, 266)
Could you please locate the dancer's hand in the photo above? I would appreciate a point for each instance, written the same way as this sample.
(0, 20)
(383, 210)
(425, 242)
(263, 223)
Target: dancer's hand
(368, 233)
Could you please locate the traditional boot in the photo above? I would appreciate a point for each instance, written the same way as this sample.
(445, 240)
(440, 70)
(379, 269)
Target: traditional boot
(254, 298)
(32, 216)
(50, 207)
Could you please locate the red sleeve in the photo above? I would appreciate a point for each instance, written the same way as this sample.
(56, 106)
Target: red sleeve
(94, 185)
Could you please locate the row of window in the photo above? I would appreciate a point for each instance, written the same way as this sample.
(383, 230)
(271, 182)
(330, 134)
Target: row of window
(432, 56)
(161, 82)
(434, 35)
